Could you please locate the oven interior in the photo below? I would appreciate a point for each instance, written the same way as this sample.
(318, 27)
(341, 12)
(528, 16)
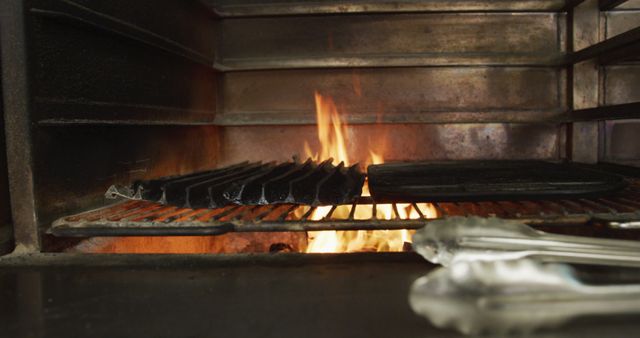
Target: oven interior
(101, 93)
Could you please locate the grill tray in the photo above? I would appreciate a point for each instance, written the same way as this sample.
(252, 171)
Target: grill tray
(487, 181)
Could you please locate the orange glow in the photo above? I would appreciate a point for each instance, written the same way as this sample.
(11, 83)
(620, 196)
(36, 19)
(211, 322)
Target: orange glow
(332, 137)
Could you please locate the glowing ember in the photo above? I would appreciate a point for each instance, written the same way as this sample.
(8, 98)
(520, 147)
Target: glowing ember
(331, 135)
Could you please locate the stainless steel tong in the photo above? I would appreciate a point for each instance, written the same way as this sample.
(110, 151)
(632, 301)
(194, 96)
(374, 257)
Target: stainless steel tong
(475, 238)
(507, 296)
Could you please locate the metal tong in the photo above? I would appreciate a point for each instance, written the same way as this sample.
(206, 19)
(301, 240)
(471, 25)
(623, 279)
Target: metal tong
(475, 238)
(508, 296)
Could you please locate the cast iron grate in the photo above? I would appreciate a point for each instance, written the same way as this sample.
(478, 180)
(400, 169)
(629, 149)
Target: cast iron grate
(256, 183)
(488, 181)
(147, 218)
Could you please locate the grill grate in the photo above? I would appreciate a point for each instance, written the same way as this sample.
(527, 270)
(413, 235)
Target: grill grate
(252, 184)
(147, 218)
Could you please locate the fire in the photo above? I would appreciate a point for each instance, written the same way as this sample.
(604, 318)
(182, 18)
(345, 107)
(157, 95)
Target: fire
(331, 135)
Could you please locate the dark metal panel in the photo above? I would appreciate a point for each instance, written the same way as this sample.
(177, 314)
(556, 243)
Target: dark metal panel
(621, 143)
(84, 73)
(629, 5)
(6, 228)
(240, 8)
(181, 27)
(396, 95)
(75, 165)
(203, 296)
(612, 112)
(571, 4)
(15, 88)
(391, 40)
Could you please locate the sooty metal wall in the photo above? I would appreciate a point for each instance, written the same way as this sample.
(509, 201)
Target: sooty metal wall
(106, 92)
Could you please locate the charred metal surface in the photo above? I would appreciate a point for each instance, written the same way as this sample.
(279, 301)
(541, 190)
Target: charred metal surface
(74, 165)
(486, 181)
(392, 40)
(253, 184)
(242, 8)
(98, 67)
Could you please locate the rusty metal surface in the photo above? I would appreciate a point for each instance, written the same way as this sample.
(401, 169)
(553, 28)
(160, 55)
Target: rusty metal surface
(391, 40)
(147, 218)
(430, 94)
(240, 8)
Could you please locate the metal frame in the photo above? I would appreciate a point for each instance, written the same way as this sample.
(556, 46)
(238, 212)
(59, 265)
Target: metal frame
(19, 105)
(620, 48)
(15, 83)
(613, 112)
(75, 13)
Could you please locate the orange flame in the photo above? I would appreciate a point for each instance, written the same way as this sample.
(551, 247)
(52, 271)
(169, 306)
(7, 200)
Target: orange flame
(331, 135)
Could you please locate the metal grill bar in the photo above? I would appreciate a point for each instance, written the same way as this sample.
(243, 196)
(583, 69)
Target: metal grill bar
(147, 218)
(251, 184)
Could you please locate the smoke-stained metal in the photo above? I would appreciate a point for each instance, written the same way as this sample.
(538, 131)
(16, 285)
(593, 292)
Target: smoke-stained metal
(18, 130)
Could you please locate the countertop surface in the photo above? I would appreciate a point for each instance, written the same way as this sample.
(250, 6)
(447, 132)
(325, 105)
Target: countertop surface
(198, 296)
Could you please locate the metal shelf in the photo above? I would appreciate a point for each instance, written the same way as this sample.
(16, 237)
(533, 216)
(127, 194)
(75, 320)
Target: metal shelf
(612, 112)
(620, 48)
